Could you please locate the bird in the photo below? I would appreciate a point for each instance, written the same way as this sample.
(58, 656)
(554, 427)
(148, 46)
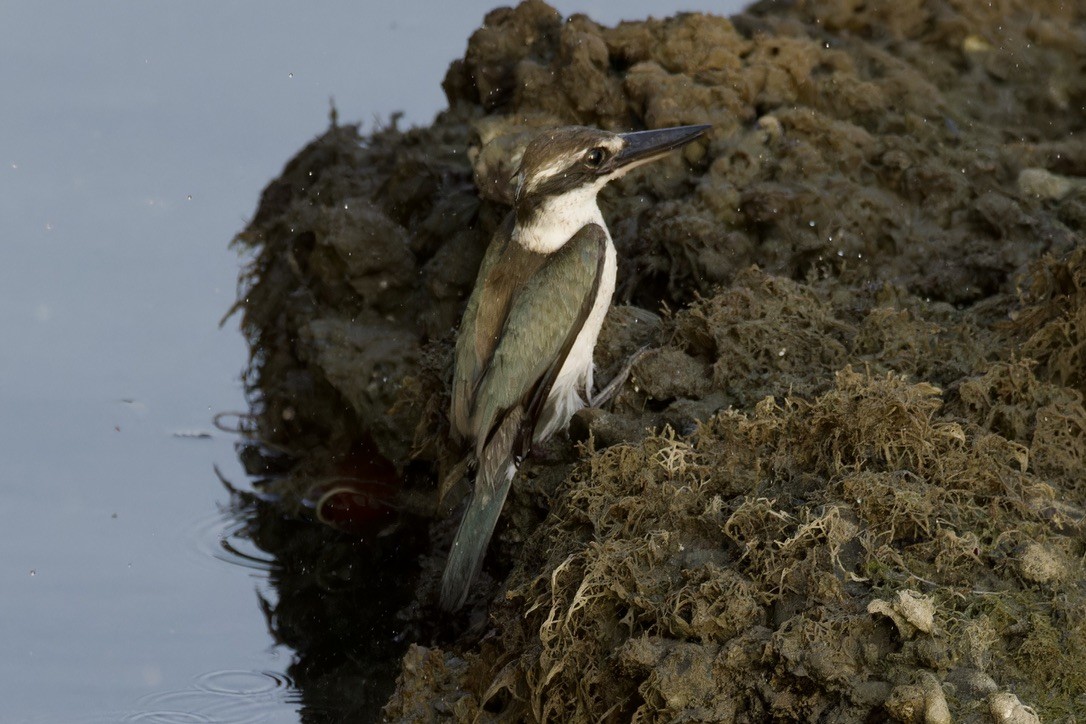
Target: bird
(523, 356)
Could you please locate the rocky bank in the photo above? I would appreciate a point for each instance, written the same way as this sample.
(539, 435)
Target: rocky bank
(846, 482)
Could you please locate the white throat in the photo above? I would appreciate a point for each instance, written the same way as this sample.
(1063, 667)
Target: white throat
(559, 218)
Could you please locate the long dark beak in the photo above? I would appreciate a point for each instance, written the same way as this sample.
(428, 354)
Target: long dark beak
(644, 146)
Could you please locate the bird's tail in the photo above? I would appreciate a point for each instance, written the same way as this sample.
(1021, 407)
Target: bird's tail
(473, 537)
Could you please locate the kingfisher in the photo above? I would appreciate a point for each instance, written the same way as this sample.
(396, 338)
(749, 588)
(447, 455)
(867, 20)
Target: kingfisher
(523, 360)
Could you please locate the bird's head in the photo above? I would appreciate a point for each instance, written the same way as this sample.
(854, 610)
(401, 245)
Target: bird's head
(562, 170)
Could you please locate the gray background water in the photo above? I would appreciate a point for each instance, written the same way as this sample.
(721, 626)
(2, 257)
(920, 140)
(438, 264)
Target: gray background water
(134, 141)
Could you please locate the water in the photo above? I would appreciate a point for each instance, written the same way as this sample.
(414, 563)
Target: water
(134, 141)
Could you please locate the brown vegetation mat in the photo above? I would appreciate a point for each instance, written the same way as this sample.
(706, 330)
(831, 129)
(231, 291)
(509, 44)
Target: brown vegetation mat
(846, 482)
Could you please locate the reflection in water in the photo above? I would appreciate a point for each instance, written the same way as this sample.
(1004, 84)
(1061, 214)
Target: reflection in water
(328, 595)
(334, 603)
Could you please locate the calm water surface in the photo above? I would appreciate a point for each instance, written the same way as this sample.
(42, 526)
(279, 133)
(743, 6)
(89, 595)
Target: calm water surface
(134, 141)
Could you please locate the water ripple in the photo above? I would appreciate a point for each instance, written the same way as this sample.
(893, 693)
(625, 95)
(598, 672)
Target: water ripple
(233, 696)
(239, 682)
(221, 536)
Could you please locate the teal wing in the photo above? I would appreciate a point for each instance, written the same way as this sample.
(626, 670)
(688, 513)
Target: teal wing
(543, 321)
(469, 363)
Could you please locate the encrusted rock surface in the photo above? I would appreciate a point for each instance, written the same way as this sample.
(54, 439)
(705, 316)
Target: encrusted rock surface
(864, 300)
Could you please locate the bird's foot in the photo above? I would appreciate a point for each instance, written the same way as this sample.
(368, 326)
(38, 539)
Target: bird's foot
(604, 396)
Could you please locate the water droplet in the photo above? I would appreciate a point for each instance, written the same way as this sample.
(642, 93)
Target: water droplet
(33, 571)
(290, 75)
(189, 197)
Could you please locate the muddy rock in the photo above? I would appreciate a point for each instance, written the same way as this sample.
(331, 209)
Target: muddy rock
(910, 612)
(844, 479)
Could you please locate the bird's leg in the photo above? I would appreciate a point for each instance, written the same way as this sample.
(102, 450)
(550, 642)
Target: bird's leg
(604, 396)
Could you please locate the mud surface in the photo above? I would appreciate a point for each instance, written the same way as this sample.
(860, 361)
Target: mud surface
(845, 482)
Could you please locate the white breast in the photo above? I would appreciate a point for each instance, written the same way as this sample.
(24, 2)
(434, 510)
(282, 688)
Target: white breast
(560, 217)
(573, 386)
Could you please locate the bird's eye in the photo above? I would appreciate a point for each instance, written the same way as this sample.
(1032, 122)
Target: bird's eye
(594, 157)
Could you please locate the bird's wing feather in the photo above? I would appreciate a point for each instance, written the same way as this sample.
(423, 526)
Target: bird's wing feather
(538, 333)
(469, 363)
(480, 518)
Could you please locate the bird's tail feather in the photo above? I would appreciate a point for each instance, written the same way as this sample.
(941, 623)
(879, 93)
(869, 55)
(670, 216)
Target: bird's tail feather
(472, 538)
